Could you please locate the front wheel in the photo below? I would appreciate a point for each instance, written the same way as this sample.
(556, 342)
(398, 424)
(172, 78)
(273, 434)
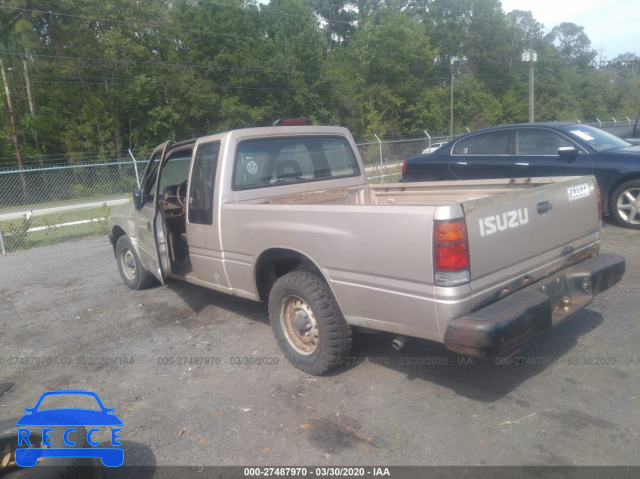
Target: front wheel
(625, 204)
(308, 323)
(132, 272)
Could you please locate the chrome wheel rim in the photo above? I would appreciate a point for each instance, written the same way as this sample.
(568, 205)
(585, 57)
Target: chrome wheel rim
(299, 325)
(628, 205)
(128, 262)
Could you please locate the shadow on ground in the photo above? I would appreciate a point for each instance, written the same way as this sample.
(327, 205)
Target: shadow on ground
(198, 298)
(484, 379)
(139, 462)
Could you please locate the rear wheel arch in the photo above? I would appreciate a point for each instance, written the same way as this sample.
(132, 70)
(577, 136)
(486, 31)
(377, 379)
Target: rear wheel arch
(274, 263)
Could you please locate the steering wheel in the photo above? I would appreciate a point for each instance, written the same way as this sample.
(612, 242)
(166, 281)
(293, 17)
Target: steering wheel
(181, 196)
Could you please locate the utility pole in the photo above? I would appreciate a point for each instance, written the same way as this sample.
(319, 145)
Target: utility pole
(530, 56)
(451, 119)
(531, 103)
(32, 102)
(14, 133)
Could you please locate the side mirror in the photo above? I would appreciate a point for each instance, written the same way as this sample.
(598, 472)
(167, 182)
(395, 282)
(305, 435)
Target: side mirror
(137, 198)
(567, 152)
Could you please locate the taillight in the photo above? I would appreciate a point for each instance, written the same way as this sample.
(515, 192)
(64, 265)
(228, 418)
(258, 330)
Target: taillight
(452, 257)
(451, 253)
(404, 166)
(599, 195)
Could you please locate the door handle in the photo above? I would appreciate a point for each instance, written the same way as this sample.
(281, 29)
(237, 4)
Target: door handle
(544, 207)
(522, 164)
(461, 162)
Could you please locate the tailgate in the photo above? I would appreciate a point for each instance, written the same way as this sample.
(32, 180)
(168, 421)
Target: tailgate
(520, 237)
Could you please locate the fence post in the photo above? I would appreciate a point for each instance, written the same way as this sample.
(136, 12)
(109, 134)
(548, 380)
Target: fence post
(615, 122)
(428, 136)
(135, 167)
(599, 122)
(4, 252)
(381, 165)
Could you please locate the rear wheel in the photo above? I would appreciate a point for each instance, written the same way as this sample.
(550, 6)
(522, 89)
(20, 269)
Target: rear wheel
(132, 272)
(307, 322)
(625, 204)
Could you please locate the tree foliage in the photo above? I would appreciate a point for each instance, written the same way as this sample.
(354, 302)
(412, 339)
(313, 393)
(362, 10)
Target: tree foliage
(115, 75)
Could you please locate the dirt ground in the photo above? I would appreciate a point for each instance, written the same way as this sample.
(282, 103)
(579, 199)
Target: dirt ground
(198, 380)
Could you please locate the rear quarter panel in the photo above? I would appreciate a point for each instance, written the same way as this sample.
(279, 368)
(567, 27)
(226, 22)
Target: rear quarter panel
(433, 166)
(376, 259)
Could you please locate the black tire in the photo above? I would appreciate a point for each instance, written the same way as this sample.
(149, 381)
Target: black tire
(131, 270)
(50, 468)
(319, 338)
(625, 204)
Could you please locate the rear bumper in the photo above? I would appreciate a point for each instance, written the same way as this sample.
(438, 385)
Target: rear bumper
(511, 321)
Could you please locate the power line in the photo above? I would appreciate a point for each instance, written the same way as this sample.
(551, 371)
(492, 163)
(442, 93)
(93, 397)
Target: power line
(111, 63)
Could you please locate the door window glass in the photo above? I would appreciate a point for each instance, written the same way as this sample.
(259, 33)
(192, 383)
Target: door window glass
(149, 186)
(491, 143)
(175, 170)
(537, 141)
(203, 179)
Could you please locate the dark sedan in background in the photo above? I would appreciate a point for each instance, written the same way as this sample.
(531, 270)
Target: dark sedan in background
(541, 149)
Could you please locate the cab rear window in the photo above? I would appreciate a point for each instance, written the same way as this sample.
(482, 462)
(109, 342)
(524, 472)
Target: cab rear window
(278, 161)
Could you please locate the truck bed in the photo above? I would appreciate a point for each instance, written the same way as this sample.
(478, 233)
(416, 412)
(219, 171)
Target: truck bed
(435, 193)
(362, 238)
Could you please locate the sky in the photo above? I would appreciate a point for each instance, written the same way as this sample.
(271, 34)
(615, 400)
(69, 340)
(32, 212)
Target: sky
(613, 26)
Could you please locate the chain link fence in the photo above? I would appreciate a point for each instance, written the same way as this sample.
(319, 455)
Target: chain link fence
(44, 206)
(383, 158)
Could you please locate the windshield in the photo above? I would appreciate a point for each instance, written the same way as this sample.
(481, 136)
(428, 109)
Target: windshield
(597, 139)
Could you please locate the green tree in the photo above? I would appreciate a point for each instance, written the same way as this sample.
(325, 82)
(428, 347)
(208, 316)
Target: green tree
(474, 107)
(383, 69)
(338, 20)
(572, 43)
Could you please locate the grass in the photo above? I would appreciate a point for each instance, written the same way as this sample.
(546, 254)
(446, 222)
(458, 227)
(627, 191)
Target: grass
(61, 234)
(52, 204)
(69, 216)
(392, 174)
(16, 236)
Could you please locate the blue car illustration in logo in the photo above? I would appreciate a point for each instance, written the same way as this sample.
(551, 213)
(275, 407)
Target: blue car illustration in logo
(68, 417)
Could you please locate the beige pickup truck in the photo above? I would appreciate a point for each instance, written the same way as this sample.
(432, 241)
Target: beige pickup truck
(285, 214)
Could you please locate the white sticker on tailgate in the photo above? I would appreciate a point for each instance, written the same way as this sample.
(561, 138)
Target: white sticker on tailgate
(578, 191)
